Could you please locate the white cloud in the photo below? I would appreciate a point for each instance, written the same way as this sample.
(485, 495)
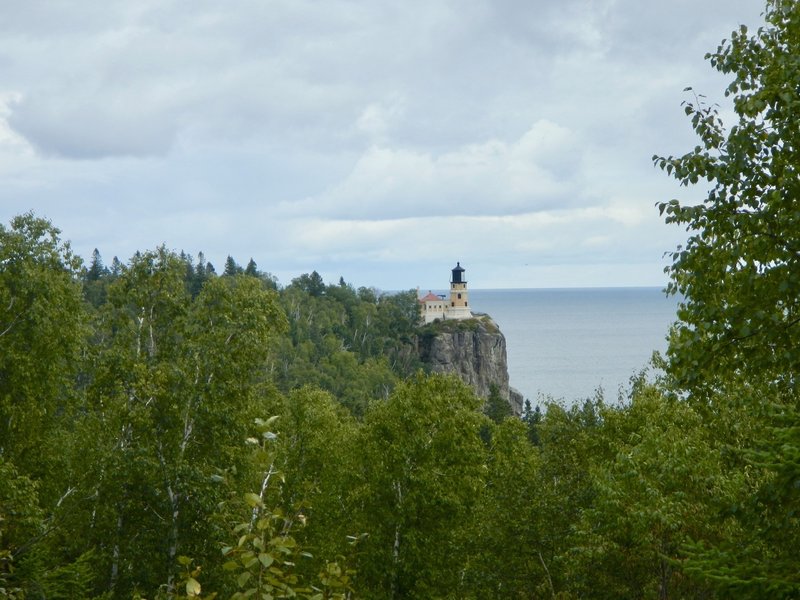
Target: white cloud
(12, 144)
(538, 171)
(378, 119)
(347, 136)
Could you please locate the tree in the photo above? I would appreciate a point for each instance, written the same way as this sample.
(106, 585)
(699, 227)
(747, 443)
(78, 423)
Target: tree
(43, 331)
(564, 489)
(739, 272)
(116, 267)
(496, 407)
(315, 449)
(659, 480)
(532, 417)
(503, 541)
(43, 328)
(231, 268)
(422, 463)
(311, 283)
(252, 269)
(175, 383)
(21, 521)
(203, 271)
(96, 267)
(737, 340)
(95, 279)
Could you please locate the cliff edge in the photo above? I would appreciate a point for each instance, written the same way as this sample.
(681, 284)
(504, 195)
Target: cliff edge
(474, 350)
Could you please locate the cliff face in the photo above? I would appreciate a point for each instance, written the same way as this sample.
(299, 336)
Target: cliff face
(475, 350)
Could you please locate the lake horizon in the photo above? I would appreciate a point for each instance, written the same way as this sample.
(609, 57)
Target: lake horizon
(565, 343)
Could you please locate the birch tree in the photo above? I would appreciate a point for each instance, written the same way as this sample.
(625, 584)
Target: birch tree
(175, 384)
(422, 467)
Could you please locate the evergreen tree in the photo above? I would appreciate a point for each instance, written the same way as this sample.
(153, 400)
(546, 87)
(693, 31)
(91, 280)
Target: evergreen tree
(96, 267)
(532, 417)
(231, 268)
(116, 267)
(95, 280)
(201, 274)
(496, 407)
(311, 283)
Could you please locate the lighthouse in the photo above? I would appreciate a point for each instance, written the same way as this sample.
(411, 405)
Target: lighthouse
(459, 298)
(433, 307)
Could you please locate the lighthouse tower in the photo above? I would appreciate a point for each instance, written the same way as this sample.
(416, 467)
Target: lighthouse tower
(459, 298)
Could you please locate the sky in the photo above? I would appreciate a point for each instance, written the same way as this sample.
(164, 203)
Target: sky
(379, 141)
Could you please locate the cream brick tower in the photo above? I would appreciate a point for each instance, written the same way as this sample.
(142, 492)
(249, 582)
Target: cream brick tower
(459, 297)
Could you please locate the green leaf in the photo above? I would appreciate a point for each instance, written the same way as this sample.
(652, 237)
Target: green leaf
(253, 500)
(230, 565)
(243, 578)
(266, 559)
(249, 560)
(192, 587)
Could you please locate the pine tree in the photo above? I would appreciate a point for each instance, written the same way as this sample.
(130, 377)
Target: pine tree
(231, 268)
(96, 268)
(251, 269)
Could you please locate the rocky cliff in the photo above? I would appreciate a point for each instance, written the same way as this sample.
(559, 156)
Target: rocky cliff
(473, 349)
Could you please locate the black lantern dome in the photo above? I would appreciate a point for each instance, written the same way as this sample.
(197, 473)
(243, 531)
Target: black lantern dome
(458, 273)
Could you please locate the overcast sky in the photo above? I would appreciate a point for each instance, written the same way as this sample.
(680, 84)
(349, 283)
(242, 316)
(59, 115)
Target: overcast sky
(381, 141)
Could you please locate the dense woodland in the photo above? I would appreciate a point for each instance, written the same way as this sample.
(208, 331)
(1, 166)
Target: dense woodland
(167, 431)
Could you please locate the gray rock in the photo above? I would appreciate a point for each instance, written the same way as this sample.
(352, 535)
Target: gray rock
(475, 351)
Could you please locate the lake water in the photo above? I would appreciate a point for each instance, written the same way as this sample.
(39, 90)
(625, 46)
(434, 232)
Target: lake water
(568, 342)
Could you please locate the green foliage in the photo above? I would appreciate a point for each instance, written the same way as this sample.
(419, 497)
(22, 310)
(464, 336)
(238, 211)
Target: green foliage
(421, 472)
(126, 455)
(757, 558)
(197, 275)
(316, 452)
(736, 342)
(532, 417)
(454, 325)
(503, 544)
(355, 345)
(95, 280)
(312, 284)
(496, 407)
(563, 488)
(231, 268)
(175, 382)
(29, 565)
(263, 560)
(660, 483)
(21, 521)
(739, 272)
(42, 330)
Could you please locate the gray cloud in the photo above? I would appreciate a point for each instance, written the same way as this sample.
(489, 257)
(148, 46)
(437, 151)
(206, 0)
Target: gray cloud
(344, 135)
